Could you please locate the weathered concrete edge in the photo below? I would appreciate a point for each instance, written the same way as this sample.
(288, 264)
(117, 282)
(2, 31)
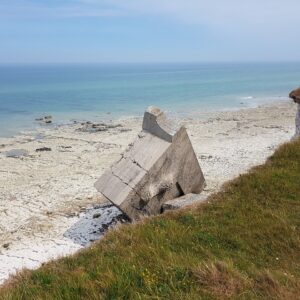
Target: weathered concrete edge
(184, 201)
(156, 122)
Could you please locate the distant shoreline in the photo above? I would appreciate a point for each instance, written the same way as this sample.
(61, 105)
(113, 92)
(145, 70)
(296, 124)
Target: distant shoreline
(104, 92)
(109, 117)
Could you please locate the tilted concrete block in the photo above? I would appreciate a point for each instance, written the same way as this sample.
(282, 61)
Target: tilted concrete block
(159, 166)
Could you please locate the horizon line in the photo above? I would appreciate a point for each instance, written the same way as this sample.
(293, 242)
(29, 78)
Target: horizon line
(147, 62)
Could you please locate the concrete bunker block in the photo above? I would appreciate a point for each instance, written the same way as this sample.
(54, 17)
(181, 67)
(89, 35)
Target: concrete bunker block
(159, 166)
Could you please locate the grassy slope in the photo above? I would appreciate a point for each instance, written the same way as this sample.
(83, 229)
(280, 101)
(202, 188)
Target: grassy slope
(244, 243)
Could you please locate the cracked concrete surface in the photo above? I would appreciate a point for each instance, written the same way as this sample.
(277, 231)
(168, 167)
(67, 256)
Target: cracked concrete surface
(159, 166)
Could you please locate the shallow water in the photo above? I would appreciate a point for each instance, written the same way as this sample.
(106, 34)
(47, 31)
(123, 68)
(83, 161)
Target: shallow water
(111, 91)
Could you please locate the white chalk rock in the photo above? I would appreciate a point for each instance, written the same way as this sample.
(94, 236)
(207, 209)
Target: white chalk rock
(297, 123)
(159, 166)
(295, 95)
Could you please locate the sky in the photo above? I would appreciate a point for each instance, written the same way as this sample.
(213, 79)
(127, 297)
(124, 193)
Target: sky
(134, 31)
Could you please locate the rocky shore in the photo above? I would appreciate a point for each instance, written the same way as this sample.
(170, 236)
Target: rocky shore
(48, 204)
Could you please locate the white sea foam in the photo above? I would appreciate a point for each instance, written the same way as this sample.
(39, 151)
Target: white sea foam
(247, 98)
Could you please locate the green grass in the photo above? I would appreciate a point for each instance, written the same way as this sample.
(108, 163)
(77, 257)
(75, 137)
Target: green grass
(243, 244)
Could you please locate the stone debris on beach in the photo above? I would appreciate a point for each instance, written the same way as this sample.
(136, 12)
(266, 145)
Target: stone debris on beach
(96, 127)
(17, 153)
(5, 246)
(45, 119)
(183, 201)
(159, 166)
(43, 149)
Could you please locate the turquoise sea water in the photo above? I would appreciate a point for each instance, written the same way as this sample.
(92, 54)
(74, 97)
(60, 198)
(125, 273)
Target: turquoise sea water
(85, 92)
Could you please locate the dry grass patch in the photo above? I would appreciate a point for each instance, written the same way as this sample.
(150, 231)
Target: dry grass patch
(220, 279)
(268, 287)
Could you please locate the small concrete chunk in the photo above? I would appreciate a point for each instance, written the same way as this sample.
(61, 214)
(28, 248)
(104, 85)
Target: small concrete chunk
(183, 201)
(159, 166)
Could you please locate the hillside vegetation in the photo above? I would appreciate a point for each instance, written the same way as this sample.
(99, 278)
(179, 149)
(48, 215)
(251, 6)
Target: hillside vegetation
(243, 244)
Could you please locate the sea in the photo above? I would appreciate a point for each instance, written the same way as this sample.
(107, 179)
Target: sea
(112, 91)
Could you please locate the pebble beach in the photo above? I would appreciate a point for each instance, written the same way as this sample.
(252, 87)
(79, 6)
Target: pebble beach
(49, 206)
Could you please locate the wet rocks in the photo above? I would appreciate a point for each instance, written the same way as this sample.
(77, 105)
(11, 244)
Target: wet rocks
(43, 149)
(65, 149)
(96, 216)
(6, 245)
(96, 127)
(125, 130)
(45, 119)
(17, 153)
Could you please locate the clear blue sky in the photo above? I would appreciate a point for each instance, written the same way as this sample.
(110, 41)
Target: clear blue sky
(87, 31)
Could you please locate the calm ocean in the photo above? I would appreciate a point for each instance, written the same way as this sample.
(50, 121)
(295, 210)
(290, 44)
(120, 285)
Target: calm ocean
(87, 92)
